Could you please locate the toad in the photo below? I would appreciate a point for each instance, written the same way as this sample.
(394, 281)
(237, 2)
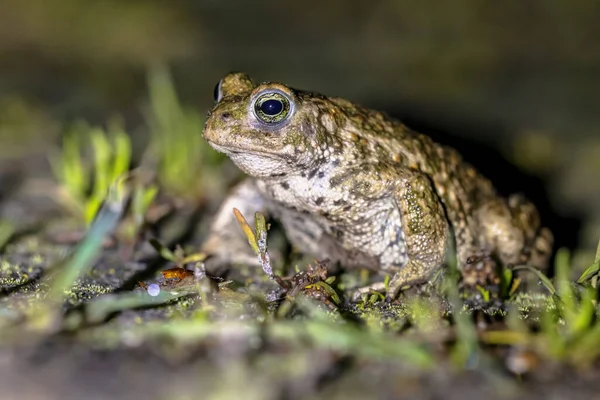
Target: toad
(358, 187)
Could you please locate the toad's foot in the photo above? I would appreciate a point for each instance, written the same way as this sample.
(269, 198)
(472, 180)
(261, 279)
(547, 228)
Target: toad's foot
(375, 288)
(378, 288)
(403, 281)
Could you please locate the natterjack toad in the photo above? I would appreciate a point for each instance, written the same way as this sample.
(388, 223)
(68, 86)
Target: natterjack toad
(360, 188)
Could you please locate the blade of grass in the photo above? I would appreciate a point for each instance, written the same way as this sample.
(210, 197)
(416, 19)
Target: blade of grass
(99, 309)
(543, 278)
(85, 253)
(247, 230)
(593, 269)
(590, 272)
(261, 232)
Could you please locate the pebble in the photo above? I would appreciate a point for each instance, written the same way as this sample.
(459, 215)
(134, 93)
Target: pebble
(153, 289)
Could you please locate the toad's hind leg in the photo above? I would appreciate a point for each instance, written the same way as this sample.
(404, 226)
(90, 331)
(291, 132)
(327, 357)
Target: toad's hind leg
(512, 230)
(538, 239)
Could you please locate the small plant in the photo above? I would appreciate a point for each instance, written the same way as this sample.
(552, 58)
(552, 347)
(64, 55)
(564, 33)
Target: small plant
(84, 186)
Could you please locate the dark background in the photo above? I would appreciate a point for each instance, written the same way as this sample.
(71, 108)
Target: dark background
(514, 84)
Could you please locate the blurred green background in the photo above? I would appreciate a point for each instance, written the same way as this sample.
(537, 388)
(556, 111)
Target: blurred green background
(514, 85)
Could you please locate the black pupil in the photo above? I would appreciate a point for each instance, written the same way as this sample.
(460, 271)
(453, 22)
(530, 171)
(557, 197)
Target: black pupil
(271, 107)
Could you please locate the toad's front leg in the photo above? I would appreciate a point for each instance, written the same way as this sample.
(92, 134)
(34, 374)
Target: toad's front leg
(226, 243)
(426, 231)
(417, 234)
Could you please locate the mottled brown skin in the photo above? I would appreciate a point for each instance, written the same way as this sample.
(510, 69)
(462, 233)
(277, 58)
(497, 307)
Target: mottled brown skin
(360, 188)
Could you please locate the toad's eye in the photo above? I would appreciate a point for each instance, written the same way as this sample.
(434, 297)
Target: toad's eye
(272, 107)
(218, 94)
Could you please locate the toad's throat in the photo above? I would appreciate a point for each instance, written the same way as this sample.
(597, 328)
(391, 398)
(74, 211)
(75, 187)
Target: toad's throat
(256, 163)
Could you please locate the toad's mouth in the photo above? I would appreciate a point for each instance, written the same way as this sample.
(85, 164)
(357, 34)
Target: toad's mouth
(234, 151)
(258, 163)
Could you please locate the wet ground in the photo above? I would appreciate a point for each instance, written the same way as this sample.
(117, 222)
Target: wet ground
(232, 347)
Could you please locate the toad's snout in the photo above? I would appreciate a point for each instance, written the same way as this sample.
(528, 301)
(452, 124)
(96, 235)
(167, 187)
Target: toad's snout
(216, 123)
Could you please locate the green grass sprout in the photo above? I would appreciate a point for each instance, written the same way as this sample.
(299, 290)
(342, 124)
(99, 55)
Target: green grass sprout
(84, 186)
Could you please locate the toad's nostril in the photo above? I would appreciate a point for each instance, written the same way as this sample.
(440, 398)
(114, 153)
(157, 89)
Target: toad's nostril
(225, 115)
